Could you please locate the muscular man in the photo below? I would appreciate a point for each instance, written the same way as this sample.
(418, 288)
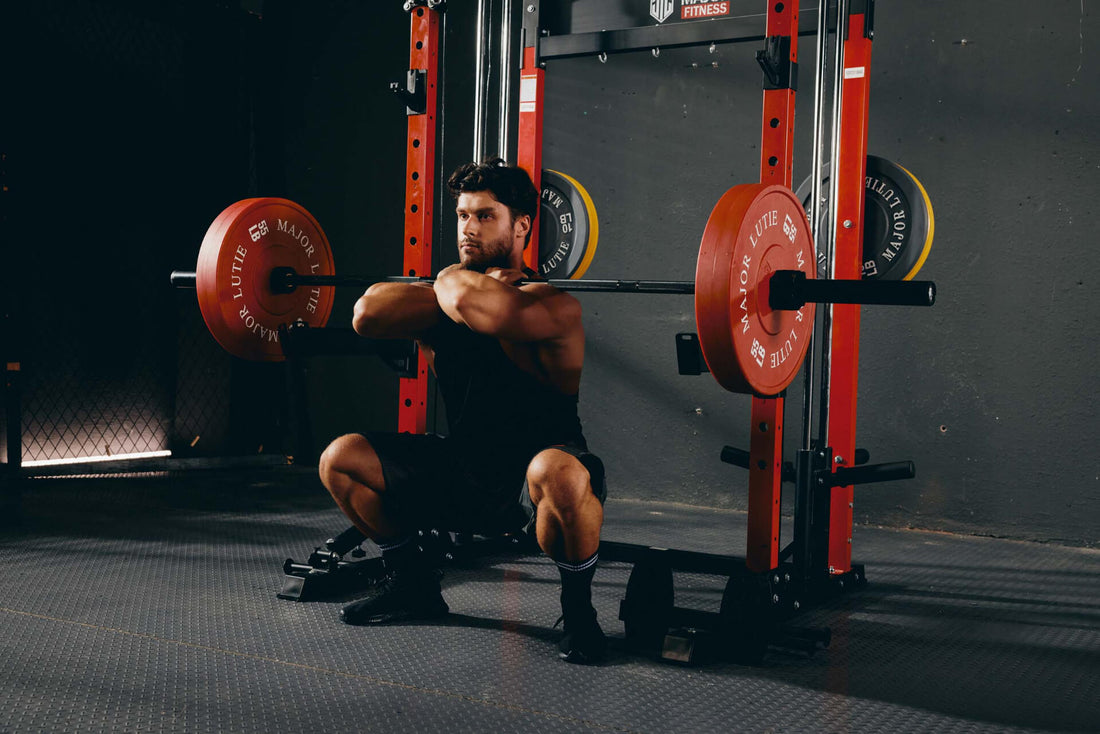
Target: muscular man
(507, 357)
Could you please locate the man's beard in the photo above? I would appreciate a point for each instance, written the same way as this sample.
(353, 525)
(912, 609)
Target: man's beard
(499, 257)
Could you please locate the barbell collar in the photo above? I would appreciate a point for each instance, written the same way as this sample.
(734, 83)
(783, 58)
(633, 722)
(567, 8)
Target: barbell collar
(791, 289)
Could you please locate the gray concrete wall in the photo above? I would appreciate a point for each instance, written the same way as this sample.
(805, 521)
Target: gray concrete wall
(992, 392)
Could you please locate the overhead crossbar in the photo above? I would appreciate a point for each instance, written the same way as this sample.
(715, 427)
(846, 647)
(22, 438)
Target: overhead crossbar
(739, 29)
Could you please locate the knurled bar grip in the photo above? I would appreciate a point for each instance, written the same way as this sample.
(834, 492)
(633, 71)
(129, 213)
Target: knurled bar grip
(611, 286)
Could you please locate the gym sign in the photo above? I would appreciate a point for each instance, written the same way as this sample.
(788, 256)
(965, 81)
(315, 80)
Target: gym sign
(661, 9)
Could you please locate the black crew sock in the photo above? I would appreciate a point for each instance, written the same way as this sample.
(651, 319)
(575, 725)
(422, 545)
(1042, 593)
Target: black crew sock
(401, 554)
(576, 587)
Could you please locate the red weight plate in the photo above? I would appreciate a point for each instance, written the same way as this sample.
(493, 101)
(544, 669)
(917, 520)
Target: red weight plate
(233, 275)
(206, 278)
(753, 231)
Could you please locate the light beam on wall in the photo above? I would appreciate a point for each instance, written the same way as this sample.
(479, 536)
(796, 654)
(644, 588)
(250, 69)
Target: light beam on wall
(97, 459)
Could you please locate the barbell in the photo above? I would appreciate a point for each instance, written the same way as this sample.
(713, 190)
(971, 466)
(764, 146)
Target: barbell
(266, 263)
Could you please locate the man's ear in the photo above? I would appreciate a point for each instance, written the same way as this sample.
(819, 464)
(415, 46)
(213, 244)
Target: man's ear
(523, 226)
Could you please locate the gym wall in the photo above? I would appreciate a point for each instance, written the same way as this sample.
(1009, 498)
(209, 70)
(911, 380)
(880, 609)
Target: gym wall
(991, 392)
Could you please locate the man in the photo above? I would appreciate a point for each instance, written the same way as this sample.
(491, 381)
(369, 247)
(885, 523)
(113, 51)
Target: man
(507, 356)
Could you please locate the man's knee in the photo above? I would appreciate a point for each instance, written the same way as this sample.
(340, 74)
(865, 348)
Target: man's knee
(350, 458)
(559, 478)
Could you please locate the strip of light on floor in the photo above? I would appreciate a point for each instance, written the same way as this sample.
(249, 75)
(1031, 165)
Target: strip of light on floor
(97, 459)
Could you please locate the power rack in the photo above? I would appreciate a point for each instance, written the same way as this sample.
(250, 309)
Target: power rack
(772, 583)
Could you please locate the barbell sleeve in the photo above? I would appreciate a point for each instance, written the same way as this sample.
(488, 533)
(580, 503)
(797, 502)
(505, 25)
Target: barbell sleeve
(791, 290)
(183, 279)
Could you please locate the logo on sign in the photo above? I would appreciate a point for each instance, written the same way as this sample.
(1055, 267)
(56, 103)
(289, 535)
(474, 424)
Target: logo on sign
(693, 9)
(661, 9)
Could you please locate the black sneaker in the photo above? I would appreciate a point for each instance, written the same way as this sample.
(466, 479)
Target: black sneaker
(398, 597)
(583, 642)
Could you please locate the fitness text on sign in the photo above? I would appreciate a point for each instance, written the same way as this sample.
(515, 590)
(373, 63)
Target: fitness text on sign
(693, 9)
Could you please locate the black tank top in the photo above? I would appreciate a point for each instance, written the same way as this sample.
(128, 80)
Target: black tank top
(494, 405)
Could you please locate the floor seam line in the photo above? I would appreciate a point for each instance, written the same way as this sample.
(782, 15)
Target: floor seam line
(315, 669)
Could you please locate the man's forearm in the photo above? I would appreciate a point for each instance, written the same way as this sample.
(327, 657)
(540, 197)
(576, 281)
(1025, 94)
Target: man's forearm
(477, 300)
(396, 311)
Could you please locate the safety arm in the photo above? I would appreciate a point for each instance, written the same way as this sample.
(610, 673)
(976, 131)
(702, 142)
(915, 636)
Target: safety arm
(396, 311)
(534, 312)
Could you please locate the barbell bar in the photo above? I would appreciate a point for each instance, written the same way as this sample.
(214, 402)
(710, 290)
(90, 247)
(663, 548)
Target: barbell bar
(266, 263)
(790, 290)
(287, 280)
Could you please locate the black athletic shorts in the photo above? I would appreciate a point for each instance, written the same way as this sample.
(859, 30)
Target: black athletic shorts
(431, 482)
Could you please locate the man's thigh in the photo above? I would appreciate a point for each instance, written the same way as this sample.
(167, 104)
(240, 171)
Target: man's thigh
(432, 483)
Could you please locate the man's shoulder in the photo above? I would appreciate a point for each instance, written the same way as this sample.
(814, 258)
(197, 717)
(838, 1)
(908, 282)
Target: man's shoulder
(551, 295)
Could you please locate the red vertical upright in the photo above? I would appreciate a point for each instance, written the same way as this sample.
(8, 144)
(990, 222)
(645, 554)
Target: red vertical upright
(420, 177)
(766, 436)
(529, 147)
(843, 373)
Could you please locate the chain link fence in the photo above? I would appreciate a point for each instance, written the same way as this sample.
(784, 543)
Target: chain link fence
(127, 131)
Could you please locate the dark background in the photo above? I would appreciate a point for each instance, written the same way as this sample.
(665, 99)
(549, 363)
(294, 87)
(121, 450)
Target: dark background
(127, 127)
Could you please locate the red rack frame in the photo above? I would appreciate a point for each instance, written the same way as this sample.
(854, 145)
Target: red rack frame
(851, 169)
(529, 145)
(776, 167)
(766, 437)
(420, 176)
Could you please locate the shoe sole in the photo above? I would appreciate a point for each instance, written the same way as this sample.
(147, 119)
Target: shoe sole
(579, 658)
(396, 617)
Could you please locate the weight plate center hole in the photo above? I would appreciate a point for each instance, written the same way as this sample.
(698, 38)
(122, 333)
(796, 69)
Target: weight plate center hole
(270, 257)
(774, 258)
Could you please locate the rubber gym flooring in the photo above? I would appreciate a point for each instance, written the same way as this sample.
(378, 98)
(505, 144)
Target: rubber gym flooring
(148, 603)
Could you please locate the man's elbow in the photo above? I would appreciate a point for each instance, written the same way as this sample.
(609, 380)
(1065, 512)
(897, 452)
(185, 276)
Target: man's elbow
(360, 321)
(364, 317)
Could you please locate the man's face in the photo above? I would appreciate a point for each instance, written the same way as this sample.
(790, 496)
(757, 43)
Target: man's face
(486, 231)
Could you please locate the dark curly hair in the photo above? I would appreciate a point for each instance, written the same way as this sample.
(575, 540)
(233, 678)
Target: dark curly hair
(509, 185)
